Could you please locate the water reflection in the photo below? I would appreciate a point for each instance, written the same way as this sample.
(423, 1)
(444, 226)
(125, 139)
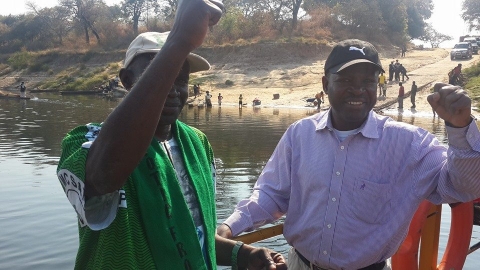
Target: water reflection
(38, 225)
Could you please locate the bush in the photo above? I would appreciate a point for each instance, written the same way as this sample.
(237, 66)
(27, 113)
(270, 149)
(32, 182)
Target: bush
(228, 82)
(473, 71)
(90, 83)
(38, 67)
(20, 60)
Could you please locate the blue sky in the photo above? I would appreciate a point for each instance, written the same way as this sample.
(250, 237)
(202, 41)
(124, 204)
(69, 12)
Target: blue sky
(445, 19)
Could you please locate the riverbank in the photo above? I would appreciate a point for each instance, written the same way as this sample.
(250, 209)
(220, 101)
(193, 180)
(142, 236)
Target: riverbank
(294, 83)
(280, 75)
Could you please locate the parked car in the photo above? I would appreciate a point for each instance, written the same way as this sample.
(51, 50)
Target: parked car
(461, 50)
(474, 43)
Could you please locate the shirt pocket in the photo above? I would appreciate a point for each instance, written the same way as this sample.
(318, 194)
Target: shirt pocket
(371, 201)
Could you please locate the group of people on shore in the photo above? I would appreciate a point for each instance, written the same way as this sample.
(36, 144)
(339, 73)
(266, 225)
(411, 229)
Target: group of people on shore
(142, 183)
(208, 100)
(454, 78)
(395, 69)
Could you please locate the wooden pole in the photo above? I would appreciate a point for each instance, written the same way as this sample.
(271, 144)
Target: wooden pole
(260, 235)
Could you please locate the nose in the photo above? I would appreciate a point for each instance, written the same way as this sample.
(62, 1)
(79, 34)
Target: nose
(357, 89)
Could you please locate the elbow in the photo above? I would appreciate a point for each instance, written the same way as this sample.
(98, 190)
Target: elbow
(100, 175)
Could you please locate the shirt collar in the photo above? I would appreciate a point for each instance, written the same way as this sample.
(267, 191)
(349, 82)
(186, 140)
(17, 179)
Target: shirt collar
(368, 129)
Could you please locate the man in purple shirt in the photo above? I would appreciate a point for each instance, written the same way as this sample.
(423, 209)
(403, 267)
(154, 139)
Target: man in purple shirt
(349, 180)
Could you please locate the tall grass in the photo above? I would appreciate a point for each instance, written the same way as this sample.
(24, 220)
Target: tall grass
(473, 81)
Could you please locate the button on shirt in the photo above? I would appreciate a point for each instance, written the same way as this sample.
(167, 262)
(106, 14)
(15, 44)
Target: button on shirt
(351, 201)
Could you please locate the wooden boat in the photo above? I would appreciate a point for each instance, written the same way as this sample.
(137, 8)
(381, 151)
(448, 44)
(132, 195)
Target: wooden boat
(116, 92)
(43, 91)
(9, 95)
(14, 97)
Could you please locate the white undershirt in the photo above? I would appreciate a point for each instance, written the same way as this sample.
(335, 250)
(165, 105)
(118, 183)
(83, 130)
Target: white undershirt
(342, 135)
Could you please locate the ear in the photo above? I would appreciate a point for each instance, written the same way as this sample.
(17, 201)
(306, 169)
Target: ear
(126, 77)
(325, 84)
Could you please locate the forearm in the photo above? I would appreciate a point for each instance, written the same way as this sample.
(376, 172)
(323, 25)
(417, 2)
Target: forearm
(129, 129)
(253, 213)
(224, 248)
(464, 159)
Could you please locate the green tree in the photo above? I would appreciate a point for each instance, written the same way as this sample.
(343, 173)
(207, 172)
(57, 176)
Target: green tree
(418, 11)
(471, 13)
(361, 16)
(135, 10)
(312, 4)
(27, 32)
(395, 15)
(84, 14)
(434, 37)
(55, 22)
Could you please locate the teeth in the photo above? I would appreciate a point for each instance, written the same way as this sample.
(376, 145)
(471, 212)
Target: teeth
(355, 103)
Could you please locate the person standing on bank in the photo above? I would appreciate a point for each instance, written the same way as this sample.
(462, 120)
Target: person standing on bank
(413, 94)
(344, 209)
(403, 71)
(404, 50)
(142, 182)
(196, 90)
(220, 98)
(240, 101)
(401, 94)
(391, 71)
(381, 84)
(208, 99)
(396, 68)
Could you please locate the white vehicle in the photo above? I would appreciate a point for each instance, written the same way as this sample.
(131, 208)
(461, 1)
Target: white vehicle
(474, 43)
(461, 50)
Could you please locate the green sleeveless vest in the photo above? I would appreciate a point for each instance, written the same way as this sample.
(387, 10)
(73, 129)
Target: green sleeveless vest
(155, 230)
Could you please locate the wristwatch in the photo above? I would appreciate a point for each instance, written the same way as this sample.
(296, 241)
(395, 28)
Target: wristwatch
(235, 250)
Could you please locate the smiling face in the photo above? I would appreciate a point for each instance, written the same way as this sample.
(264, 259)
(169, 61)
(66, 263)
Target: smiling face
(177, 96)
(352, 94)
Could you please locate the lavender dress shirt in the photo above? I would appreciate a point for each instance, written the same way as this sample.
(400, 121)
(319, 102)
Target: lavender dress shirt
(349, 204)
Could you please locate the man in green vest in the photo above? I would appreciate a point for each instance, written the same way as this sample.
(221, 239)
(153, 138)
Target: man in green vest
(142, 182)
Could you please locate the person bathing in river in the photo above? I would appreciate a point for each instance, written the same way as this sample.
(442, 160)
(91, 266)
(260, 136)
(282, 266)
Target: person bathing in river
(345, 209)
(23, 90)
(142, 182)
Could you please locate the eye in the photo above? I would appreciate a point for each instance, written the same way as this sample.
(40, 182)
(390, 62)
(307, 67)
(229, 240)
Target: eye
(343, 80)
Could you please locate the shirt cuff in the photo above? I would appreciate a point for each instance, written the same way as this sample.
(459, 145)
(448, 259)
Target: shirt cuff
(100, 211)
(464, 138)
(236, 223)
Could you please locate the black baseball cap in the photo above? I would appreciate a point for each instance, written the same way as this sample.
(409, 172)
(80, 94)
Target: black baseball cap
(350, 52)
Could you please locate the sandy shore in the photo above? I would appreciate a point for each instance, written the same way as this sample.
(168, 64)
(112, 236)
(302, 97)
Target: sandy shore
(294, 84)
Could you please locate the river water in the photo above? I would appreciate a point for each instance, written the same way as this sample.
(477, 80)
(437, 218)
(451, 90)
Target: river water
(38, 228)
